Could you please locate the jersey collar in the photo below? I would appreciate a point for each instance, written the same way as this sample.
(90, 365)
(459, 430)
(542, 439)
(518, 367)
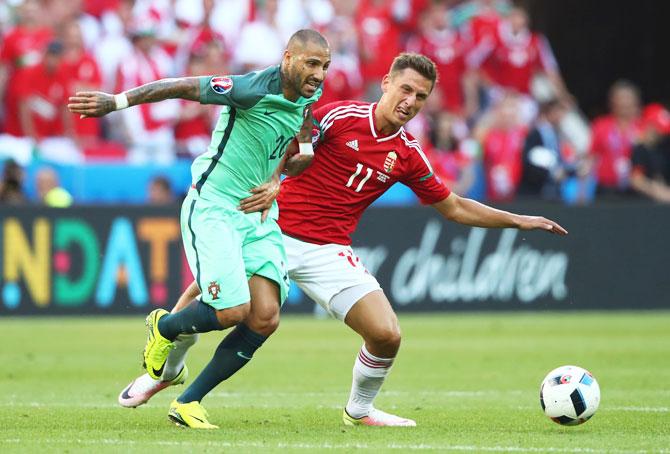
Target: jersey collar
(275, 80)
(377, 137)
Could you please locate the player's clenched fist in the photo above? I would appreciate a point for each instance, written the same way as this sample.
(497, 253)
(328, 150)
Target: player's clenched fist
(91, 103)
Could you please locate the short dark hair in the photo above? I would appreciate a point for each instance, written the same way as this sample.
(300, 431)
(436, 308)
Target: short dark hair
(624, 84)
(306, 35)
(419, 63)
(163, 182)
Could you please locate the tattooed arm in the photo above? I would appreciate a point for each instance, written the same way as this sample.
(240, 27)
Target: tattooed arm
(297, 162)
(97, 103)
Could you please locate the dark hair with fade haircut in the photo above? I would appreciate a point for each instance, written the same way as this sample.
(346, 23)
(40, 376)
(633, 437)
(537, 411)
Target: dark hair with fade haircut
(306, 35)
(419, 63)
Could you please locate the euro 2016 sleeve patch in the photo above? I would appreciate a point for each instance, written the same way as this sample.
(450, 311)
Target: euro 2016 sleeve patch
(221, 85)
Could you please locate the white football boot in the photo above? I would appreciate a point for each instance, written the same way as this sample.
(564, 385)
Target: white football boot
(140, 390)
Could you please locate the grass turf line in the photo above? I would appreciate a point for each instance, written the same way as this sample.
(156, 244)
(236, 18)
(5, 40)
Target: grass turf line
(470, 380)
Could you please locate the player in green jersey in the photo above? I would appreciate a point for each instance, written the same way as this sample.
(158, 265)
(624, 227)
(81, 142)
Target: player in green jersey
(237, 259)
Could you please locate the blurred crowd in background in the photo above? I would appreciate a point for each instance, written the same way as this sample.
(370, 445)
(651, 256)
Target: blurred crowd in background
(500, 125)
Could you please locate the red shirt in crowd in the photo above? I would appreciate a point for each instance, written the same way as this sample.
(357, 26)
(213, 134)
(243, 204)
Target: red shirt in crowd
(45, 95)
(511, 60)
(197, 126)
(21, 48)
(353, 166)
(612, 145)
(502, 162)
(83, 73)
(98, 7)
(448, 164)
(447, 50)
(379, 38)
(483, 25)
(139, 68)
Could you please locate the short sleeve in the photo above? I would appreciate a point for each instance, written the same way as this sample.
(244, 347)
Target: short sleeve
(421, 179)
(240, 92)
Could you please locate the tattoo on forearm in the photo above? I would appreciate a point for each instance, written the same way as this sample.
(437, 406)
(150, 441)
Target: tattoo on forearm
(184, 88)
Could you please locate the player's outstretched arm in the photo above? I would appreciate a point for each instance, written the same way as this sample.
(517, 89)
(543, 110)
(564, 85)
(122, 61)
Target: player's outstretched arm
(98, 103)
(470, 212)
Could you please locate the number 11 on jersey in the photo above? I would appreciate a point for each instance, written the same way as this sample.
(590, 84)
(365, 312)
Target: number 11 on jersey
(352, 178)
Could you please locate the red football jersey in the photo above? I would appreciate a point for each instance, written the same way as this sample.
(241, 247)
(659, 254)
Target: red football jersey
(45, 95)
(21, 48)
(353, 165)
(379, 38)
(512, 60)
(83, 74)
(502, 162)
(612, 145)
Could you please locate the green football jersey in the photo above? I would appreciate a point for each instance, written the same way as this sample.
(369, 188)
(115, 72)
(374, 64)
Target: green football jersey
(251, 135)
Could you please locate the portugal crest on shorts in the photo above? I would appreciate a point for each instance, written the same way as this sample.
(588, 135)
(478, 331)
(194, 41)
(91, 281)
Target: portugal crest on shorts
(214, 289)
(389, 162)
(221, 85)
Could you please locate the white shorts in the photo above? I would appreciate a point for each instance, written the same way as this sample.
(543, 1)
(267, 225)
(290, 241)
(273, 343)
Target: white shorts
(325, 271)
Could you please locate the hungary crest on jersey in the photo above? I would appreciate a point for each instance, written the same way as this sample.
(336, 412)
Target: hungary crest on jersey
(389, 162)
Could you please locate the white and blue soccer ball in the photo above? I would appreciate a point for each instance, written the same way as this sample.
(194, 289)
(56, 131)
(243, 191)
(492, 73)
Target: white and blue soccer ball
(569, 395)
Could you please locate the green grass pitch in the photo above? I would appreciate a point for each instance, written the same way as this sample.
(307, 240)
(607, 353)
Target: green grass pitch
(470, 380)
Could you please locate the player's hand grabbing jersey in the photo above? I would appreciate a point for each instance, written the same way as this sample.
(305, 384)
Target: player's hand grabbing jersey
(353, 166)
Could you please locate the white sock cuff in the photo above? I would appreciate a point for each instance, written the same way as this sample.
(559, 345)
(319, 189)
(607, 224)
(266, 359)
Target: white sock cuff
(371, 365)
(374, 358)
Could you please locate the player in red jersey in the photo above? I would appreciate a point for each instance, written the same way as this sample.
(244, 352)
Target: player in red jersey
(443, 44)
(361, 150)
(514, 54)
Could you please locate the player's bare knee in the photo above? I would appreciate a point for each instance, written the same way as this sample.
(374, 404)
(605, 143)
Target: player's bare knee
(386, 337)
(392, 337)
(264, 322)
(233, 315)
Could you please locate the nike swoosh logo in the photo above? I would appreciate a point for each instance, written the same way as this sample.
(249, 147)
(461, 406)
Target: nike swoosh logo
(242, 355)
(125, 394)
(195, 417)
(159, 372)
(269, 112)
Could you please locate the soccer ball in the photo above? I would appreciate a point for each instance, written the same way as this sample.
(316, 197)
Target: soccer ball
(569, 395)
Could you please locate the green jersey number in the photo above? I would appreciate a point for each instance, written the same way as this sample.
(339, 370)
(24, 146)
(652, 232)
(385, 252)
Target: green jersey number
(280, 148)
